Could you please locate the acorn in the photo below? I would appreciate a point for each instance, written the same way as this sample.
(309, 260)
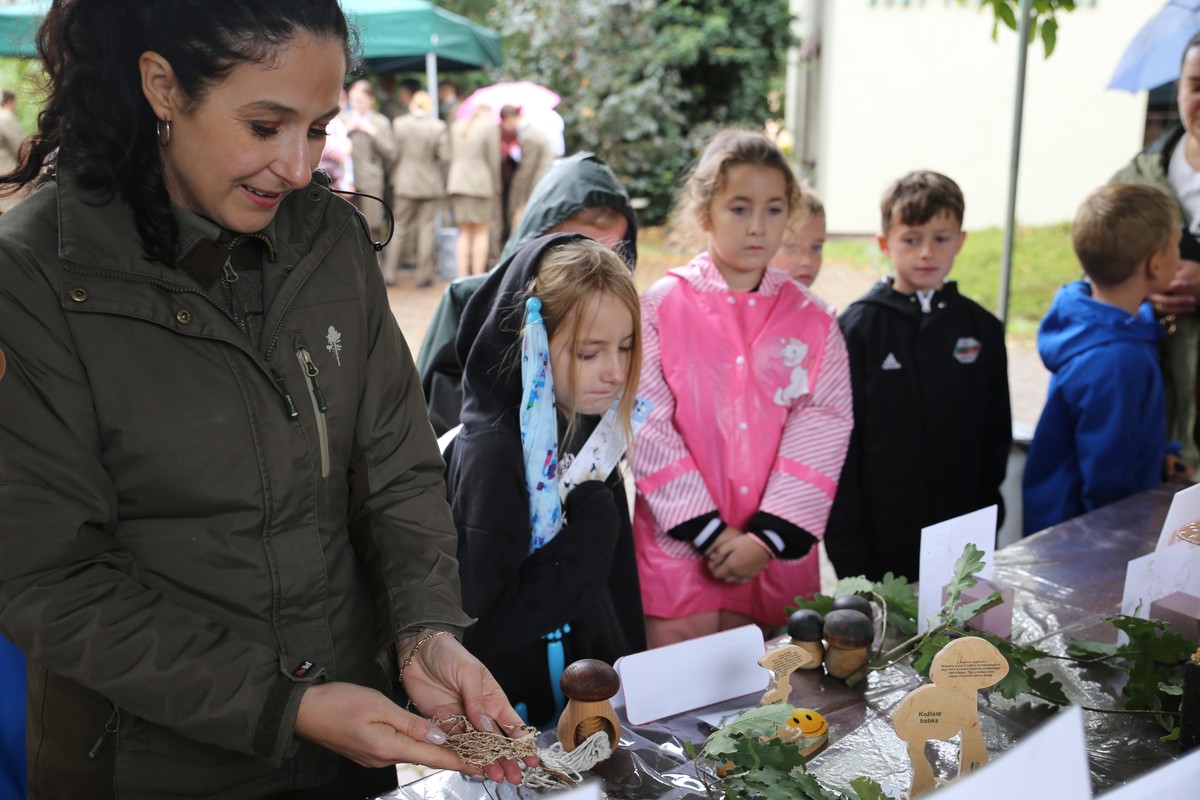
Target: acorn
(856, 602)
(805, 628)
(848, 637)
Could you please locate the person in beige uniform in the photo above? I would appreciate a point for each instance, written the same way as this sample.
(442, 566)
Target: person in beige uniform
(373, 151)
(419, 185)
(535, 160)
(474, 185)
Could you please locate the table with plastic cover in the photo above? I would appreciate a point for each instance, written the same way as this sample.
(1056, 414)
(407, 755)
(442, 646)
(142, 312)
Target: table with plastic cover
(1066, 580)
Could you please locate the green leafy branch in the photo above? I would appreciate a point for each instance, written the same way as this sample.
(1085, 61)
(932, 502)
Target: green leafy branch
(755, 765)
(1153, 657)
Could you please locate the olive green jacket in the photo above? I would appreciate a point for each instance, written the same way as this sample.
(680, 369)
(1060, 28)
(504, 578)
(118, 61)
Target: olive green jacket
(195, 529)
(1181, 346)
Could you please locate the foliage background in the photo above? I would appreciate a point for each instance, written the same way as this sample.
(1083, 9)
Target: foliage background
(645, 82)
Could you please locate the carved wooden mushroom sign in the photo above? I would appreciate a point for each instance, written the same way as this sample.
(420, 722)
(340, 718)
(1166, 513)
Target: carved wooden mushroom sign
(782, 662)
(942, 709)
(588, 685)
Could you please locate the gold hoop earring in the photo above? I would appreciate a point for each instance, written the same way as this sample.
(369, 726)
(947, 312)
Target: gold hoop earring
(159, 127)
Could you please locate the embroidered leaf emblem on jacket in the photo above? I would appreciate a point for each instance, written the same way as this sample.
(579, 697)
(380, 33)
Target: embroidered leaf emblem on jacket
(334, 339)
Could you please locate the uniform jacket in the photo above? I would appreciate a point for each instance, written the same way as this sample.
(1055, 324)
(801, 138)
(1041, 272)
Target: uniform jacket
(535, 160)
(751, 395)
(932, 425)
(474, 158)
(1180, 351)
(188, 540)
(422, 157)
(568, 187)
(586, 576)
(1102, 434)
(373, 156)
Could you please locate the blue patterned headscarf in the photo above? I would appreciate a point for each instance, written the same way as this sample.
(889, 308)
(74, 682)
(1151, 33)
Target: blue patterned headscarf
(539, 428)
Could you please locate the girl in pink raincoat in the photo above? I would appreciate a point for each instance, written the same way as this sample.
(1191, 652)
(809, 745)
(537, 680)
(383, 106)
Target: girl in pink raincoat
(738, 462)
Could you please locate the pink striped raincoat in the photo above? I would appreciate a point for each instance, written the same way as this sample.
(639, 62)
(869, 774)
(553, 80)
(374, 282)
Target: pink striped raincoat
(752, 411)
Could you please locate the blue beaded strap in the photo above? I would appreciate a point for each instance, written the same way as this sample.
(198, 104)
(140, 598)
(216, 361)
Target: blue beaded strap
(557, 662)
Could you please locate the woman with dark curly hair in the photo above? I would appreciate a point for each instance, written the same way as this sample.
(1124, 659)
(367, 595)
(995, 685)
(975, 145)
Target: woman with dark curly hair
(225, 543)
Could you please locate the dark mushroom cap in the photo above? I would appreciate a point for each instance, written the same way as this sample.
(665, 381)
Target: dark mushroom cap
(805, 625)
(855, 601)
(589, 680)
(848, 629)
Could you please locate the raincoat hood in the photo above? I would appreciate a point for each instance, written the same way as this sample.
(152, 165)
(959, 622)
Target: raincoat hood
(1076, 323)
(489, 335)
(570, 185)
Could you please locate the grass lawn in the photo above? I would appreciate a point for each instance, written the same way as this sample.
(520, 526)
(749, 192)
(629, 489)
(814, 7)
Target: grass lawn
(1042, 262)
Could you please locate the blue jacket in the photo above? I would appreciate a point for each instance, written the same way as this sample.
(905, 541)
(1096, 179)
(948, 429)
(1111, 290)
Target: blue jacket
(1102, 434)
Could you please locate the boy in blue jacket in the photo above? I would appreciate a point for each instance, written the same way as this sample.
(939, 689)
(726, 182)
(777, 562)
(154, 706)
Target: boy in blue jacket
(1102, 434)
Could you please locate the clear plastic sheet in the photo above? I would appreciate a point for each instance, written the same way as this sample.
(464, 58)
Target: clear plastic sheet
(1066, 581)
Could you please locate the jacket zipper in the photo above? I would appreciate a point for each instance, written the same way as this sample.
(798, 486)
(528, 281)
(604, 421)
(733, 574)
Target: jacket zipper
(289, 405)
(320, 409)
(110, 727)
(229, 277)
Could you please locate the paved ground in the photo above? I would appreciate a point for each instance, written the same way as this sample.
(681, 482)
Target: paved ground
(838, 284)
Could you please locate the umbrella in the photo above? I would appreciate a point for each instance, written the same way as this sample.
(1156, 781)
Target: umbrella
(1154, 55)
(526, 95)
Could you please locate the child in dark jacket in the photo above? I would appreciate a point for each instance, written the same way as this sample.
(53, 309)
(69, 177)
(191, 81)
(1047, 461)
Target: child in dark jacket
(932, 426)
(551, 581)
(1102, 434)
(578, 194)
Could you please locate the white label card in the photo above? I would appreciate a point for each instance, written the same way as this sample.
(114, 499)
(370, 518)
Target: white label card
(1049, 762)
(699, 672)
(941, 546)
(1158, 574)
(1185, 508)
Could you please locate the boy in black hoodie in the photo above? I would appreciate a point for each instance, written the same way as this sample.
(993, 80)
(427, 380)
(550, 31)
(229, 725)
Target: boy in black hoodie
(932, 426)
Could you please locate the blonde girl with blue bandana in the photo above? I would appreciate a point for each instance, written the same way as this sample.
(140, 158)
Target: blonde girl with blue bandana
(551, 353)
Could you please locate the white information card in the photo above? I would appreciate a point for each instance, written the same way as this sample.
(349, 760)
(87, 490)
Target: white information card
(699, 672)
(941, 545)
(1049, 762)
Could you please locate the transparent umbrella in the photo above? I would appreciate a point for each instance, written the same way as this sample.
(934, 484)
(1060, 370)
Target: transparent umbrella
(527, 95)
(1153, 57)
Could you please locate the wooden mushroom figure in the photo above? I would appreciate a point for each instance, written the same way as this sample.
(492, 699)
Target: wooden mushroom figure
(805, 628)
(588, 685)
(782, 662)
(949, 705)
(848, 637)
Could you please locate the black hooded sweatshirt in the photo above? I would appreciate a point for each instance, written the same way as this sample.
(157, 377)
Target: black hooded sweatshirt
(586, 576)
(571, 185)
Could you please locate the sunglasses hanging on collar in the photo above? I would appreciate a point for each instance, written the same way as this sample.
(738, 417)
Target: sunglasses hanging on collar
(363, 220)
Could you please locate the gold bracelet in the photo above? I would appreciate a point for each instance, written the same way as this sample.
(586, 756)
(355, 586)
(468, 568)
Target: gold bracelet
(416, 648)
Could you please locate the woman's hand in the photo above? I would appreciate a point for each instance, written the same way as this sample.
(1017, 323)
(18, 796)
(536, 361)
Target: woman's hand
(444, 679)
(1182, 292)
(736, 559)
(366, 727)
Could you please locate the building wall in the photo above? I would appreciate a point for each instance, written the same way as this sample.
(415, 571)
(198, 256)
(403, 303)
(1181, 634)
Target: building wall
(922, 85)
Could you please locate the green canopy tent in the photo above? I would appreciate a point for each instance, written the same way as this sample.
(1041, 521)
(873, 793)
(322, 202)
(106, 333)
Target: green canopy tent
(395, 35)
